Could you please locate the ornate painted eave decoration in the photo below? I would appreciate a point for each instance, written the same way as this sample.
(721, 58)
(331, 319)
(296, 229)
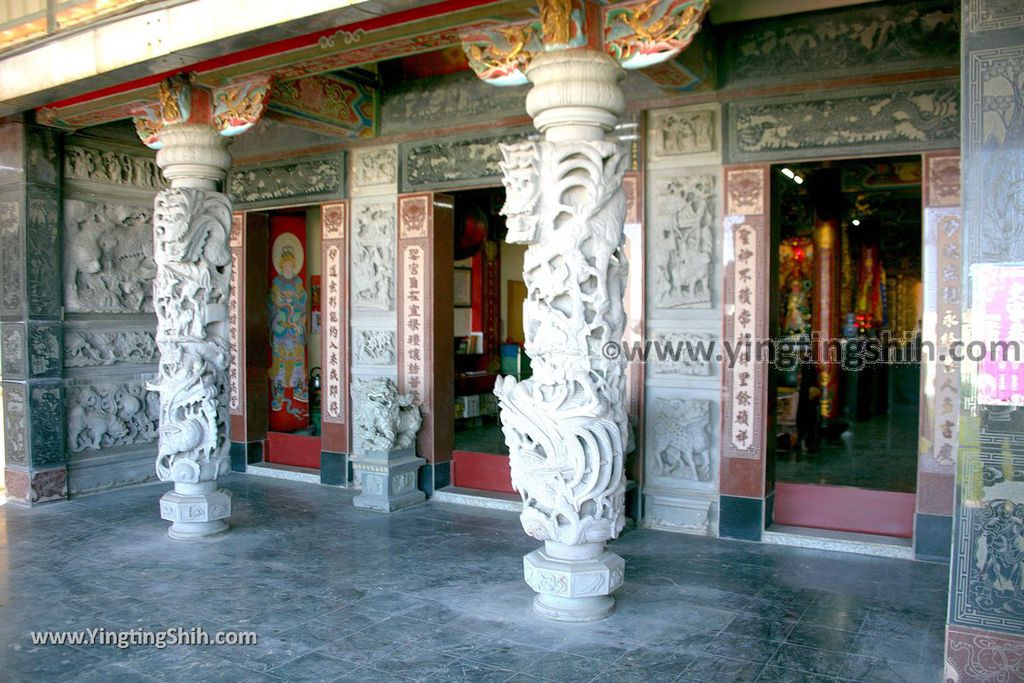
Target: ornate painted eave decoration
(500, 56)
(231, 110)
(422, 29)
(636, 34)
(650, 32)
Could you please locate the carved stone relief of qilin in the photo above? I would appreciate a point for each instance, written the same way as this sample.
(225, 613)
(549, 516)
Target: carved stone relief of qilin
(109, 415)
(682, 440)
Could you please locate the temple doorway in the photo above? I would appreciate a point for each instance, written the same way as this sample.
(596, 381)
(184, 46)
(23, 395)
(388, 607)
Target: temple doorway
(293, 328)
(487, 297)
(847, 315)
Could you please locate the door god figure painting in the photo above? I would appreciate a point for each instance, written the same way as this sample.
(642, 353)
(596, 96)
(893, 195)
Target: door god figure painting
(289, 399)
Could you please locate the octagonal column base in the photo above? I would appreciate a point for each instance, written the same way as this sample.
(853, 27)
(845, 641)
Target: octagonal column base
(576, 588)
(195, 510)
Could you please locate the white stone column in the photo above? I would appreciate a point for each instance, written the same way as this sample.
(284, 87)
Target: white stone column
(190, 244)
(566, 425)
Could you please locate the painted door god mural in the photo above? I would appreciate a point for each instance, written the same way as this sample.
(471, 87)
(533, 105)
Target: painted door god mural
(289, 398)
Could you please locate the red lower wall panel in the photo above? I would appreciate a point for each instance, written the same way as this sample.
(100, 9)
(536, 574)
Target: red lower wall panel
(296, 450)
(482, 471)
(844, 508)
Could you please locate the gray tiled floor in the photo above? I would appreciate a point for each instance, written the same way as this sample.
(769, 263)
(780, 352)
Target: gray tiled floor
(436, 593)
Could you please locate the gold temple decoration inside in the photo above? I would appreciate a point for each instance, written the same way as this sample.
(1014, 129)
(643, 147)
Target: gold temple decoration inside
(556, 20)
(173, 94)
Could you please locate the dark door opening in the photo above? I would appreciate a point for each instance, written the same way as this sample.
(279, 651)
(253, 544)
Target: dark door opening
(487, 295)
(847, 378)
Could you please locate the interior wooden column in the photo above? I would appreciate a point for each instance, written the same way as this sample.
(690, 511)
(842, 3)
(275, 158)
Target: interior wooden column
(426, 354)
(825, 192)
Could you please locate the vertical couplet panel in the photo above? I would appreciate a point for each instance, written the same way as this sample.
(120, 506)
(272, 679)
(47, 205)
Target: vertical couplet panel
(336, 432)
(746, 307)
(425, 320)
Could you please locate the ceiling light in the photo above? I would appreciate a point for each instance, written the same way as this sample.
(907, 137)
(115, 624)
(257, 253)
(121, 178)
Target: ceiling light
(788, 173)
(798, 180)
(856, 221)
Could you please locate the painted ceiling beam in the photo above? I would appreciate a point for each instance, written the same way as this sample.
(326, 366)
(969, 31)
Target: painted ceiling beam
(421, 29)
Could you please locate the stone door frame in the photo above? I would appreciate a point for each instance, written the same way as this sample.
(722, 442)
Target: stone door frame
(747, 482)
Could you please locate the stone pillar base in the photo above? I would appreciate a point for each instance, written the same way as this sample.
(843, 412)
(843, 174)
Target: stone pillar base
(388, 479)
(196, 510)
(575, 585)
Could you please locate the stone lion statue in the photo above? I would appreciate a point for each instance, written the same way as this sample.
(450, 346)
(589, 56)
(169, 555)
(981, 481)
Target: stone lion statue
(383, 419)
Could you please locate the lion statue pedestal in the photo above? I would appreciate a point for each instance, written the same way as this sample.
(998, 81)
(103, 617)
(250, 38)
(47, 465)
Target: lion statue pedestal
(385, 424)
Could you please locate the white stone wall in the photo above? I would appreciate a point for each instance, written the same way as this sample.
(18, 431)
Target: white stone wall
(683, 175)
(372, 247)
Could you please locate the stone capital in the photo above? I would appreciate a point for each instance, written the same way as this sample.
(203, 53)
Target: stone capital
(575, 90)
(193, 155)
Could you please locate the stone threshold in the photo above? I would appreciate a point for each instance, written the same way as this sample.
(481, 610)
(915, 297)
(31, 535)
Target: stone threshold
(458, 495)
(289, 472)
(840, 541)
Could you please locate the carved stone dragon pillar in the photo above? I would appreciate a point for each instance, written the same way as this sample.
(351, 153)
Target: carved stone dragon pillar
(192, 221)
(566, 426)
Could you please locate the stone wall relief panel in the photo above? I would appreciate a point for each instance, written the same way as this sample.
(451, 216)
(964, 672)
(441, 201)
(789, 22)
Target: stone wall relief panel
(87, 348)
(42, 155)
(986, 591)
(292, 181)
(46, 406)
(436, 102)
(994, 135)
(886, 37)
(373, 254)
(684, 135)
(682, 224)
(42, 221)
(375, 170)
(681, 460)
(680, 442)
(993, 15)
(374, 347)
(683, 355)
(12, 270)
(108, 258)
(455, 162)
(111, 166)
(913, 117)
(15, 424)
(111, 414)
(45, 349)
(13, 351)
(91, 471)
